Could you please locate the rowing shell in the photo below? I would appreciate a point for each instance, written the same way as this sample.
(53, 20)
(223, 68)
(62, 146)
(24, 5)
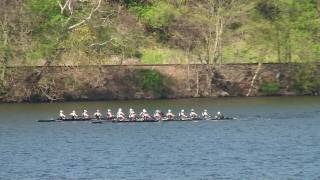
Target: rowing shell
(102, 120)
(162, 120)
(72, 119)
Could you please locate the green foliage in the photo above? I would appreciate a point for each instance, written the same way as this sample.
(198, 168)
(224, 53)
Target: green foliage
(48, 30)
(159, 15)
(268, 10)
(307, 79)
(151, 80)
(270, 88)
(285, 30)
(252, 31)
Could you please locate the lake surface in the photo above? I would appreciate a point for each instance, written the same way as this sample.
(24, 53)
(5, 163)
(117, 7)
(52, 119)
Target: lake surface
(273, 138)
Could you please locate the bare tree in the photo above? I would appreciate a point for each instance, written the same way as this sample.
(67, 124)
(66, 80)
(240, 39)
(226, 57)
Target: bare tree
(218, 15)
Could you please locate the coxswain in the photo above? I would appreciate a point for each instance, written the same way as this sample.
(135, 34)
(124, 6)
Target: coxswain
(61, 115)
(85, 114)
(120, 115)
(205, 114)
(109, 114)
(97, 114)
(193, 114)
(170, 115)
(182, 115)
(157, 115)
(219, 116)
(73, 114)
(132, 115)
(145, 115)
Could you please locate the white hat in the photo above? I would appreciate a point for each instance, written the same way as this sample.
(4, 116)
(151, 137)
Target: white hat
(182, 110)
(84, 110)
(192, 109)
(61, 111)
(219, 112)
(205, 110)
(169, 110)
(144, 110)
(109, 110)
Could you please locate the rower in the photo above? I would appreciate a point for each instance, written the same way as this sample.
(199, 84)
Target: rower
(219, 116)
(145, 115)
(85, 114)
(132, 114)
(170, 115)
(205, 114)
(73, 114)
(157, 115)
(97, 114)
(61, 115)
(109, 114)
(193, 114)
(120, 115)
(182, 115)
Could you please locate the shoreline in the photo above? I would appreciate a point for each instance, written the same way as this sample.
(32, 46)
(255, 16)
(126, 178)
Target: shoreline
(136, 82)
(167, 99)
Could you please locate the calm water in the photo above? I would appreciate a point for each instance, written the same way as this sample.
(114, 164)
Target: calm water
(274, 138)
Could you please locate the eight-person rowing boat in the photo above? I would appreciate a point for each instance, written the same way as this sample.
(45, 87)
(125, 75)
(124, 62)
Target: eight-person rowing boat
(144, 116)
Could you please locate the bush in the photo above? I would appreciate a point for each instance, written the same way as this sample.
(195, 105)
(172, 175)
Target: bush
(307, 79)
(151, 80)
(270, 88)
(158, 15)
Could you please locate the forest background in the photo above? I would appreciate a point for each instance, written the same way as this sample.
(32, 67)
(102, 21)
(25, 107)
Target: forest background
(93, 32)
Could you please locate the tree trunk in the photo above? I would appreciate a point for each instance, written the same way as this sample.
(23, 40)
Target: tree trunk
(254, 79)
(278, 46)
(197, 90)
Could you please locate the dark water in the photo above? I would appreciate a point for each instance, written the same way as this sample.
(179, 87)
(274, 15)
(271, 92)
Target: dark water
(273, 138)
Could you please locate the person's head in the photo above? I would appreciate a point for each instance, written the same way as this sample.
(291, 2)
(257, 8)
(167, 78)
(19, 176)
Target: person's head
(85, 111)
(98, 110)
(169, 110)
(205, 110)
(219, 113)
(192, 110)
(144, 110)
(73, 111)
(61, 111)
(131, 110)
(182, 110)
(109, 110)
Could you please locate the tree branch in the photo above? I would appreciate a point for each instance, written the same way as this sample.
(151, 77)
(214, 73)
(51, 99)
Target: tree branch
(66, 4)
(87, 18)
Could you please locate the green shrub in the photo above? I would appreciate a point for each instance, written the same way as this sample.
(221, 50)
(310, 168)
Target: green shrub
(151, 80)
(156, 16)
(306, 79)
(270, 88)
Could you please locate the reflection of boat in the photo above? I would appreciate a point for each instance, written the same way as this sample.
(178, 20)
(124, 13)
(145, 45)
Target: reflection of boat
(94, 120)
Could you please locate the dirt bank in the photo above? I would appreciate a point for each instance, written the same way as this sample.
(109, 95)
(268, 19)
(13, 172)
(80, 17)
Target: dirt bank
(41, 84)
